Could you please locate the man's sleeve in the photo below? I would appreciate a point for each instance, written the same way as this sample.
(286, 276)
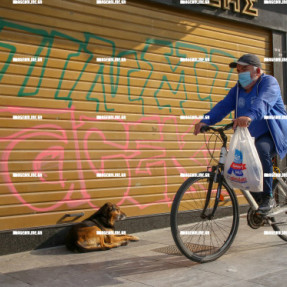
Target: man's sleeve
(268, 92)
(221, 109)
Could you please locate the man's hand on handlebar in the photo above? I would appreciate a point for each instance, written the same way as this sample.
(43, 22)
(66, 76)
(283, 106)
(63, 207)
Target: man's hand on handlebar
(197, 128)
(242, 122)
(239, 122)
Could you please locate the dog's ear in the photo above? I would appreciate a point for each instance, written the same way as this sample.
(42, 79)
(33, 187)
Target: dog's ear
(109, 206)
(106, 208)
(112, 207)
(104, 211)
(100, 212)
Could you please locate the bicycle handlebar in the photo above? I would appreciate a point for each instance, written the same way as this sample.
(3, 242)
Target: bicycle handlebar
(207, 128)
(219, 130)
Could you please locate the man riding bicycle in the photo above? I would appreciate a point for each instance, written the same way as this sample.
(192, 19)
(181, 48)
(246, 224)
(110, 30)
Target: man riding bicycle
(258, 105)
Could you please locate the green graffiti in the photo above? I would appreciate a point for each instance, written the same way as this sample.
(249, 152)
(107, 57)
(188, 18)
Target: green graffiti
(11, 53)
(9, 59)
(100, 72)
(70, 56)
(130, 71)
(225, 54)
(107, 75)
(164, 78)
(45, 40)
(232, 59)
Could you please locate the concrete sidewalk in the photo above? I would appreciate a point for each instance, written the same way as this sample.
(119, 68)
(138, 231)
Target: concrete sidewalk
(254, 260)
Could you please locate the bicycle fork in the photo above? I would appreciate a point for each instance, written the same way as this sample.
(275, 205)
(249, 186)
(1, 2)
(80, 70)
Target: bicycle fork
(217, 178)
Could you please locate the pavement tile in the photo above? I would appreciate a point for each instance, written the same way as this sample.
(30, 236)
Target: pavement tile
(248, 264)
(179, 261)
(134, 266)
(244, 283)
(73, 276)
(174, 276)
(274, 279)
(143, 251)
(154, 234)
(7, 281)
(114, 260)
(27, 260)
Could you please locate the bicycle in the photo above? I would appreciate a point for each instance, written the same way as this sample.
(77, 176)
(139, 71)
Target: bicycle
(205, 211)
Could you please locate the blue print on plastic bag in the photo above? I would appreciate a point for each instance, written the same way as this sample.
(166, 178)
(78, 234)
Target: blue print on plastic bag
(237, 166)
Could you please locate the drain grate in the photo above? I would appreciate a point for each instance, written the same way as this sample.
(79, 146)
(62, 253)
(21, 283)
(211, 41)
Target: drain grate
(170, 250)
(173, 250)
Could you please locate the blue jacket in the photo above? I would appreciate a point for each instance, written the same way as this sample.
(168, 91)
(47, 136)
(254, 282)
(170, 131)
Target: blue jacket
(261, 104)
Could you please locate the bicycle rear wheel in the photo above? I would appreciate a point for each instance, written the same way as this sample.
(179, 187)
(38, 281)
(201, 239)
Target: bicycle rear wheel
(203, 239)
(280, 219)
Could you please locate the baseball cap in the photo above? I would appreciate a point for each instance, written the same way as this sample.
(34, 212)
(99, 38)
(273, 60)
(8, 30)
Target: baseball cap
(247, 59)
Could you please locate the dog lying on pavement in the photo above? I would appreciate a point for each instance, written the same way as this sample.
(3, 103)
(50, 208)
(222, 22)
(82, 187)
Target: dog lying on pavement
(97, 232)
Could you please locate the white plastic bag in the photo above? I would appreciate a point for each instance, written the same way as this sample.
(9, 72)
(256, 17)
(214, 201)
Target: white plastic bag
(243, 167)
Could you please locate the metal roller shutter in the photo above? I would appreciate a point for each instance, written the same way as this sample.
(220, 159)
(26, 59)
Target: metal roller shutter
(70, 89)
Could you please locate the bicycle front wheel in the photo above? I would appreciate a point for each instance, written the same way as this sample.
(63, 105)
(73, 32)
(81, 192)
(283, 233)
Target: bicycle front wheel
(198, 236)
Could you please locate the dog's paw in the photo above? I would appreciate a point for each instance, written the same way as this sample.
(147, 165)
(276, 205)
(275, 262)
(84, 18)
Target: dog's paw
(124, 243)
(134, 238)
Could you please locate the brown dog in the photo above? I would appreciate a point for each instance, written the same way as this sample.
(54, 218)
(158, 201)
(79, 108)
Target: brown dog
(97, 232)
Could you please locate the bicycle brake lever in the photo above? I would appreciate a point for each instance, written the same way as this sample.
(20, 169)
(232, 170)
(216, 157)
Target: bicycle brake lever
(204, 129)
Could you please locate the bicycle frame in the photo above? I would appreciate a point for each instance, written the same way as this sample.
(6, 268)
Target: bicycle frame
(251, 201)
(253, 204)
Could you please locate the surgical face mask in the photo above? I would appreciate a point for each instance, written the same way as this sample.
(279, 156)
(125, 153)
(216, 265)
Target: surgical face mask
(244, 79)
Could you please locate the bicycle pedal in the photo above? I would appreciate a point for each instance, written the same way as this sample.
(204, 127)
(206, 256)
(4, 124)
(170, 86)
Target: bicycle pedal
(266, 221)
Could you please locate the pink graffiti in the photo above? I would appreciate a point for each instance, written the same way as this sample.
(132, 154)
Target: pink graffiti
(128, 151)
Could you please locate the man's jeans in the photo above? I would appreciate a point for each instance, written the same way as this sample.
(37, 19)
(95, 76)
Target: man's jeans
(266, 150)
